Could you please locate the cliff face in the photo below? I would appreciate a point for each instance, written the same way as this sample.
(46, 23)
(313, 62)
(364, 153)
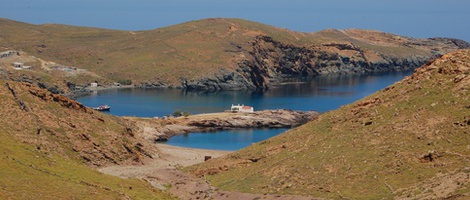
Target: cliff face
(271, 62)
(224, 80)
(215, 54)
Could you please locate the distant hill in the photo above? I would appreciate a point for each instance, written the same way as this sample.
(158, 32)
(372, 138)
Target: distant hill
(49, 145)
(220, 54)
(407, 141)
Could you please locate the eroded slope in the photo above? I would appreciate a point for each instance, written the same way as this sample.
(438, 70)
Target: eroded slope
(49, 145)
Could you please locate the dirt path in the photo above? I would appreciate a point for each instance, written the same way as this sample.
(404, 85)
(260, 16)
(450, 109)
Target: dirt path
(171, 157)
(163, 174)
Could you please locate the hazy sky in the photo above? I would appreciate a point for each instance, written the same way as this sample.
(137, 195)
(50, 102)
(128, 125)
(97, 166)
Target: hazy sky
(414, 18)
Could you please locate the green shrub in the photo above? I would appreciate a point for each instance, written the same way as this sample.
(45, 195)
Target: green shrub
(125, 82)
(179, 113)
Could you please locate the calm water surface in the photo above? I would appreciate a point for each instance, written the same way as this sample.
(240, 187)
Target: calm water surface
(229, 140)
(320, 94)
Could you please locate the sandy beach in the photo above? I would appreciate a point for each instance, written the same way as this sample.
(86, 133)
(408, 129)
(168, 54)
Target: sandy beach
(170, 157)
(163, 173)
(163, 170)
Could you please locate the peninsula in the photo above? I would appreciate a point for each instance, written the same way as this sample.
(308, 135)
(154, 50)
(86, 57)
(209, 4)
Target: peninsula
(164, 128)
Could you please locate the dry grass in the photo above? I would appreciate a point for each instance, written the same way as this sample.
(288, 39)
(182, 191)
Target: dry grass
(26, 173)
(409, 140)
(191, 50)
(50, 145)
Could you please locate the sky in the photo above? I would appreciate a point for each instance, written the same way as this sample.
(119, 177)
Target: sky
(412, 18)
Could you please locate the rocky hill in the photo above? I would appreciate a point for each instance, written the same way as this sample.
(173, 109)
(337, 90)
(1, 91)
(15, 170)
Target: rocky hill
(49, 145)
(220, 54)
(407, 141)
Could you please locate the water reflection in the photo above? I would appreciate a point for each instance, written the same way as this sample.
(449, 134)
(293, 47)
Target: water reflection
(321, 93)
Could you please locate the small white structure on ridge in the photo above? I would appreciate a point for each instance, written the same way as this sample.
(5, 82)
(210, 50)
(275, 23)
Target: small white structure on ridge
(18, 65)
(241, 108)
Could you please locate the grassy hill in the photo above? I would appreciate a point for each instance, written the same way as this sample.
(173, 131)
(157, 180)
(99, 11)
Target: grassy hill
(206, 49)
(50, 145)
(26, 173)
(407, 141)
(164, 54)
(56, 77)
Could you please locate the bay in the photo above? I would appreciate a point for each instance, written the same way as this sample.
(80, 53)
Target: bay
(321, 94)
(228, 140)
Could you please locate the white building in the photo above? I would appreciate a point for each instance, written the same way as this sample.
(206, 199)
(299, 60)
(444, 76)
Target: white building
(94, 84)
(18, 65)
(241, 108)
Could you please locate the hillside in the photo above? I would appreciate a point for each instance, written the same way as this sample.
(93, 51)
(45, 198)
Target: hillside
(55, 77)
(407, 141)
(219, 54)
(50, 145)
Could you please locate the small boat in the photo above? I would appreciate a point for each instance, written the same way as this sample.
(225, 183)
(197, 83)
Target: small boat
(102, 108)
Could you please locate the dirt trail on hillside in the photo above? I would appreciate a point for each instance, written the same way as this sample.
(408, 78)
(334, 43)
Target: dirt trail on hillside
(163, 174)
(162, 171)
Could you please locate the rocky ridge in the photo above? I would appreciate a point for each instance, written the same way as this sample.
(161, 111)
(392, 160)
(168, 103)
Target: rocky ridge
(166, 128)
(271, 62)
(54, 123)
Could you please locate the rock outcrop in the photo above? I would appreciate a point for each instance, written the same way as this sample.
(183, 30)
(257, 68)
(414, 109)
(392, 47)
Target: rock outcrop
(223, 81)
(283, 118)
(52, 123)
(272, 62)
(166, 128)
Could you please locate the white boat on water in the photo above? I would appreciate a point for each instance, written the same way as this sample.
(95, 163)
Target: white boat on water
(102, 108)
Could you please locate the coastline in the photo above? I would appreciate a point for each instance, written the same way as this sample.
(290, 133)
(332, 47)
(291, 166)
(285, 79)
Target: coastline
(164, 173)
(101, 88)
(183, 156)
(88, 90)
(170, 157)
(161, 129)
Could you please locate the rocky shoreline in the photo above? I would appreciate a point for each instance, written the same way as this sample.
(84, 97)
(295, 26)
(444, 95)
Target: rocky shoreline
(162, 170)
(269, 62)
(159, 130)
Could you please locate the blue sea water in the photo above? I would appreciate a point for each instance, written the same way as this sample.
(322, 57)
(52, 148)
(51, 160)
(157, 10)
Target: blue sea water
(228, 140)
(322, 94)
